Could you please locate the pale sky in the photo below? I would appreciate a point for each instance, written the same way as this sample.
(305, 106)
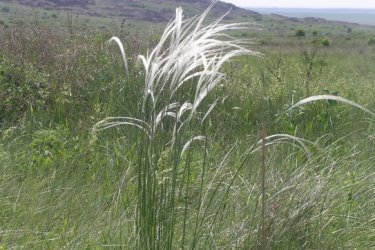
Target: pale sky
(355, 4)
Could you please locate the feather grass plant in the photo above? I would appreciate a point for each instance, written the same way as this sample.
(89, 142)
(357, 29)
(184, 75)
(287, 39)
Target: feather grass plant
(179, 73)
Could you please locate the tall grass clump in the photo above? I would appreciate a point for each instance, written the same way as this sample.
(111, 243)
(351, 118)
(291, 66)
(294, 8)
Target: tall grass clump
(179, 74)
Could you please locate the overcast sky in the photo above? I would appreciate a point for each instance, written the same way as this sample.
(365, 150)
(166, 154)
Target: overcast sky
(362, 4)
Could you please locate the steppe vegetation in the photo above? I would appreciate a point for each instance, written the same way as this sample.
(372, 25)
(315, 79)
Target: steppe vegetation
(183, 149)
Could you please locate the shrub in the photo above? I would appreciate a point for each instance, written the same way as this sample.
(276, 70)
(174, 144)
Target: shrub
(325, 41)
(259, 18)
(315, 33)
(5, 9)
(262, 42)
(371, 41)
(48, 146)
(22, 87)
(300, 33)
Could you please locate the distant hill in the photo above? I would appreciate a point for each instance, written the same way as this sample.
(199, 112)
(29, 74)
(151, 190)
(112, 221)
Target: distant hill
(360, 16)
(148, 10)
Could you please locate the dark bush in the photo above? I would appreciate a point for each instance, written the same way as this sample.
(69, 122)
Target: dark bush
(5, 9)
(371, 41)
(22, 88)
(325, 41)
(300, 33)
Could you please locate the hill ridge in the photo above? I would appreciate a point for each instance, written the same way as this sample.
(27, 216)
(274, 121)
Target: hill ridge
(149, 10)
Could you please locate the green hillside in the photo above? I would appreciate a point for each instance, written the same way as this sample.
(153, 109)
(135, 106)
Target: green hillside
(151, 10)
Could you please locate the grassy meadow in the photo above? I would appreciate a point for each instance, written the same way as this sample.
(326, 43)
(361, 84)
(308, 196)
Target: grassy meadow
(168, 153)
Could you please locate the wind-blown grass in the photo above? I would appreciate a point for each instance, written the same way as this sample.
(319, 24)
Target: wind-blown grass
(160, 174)
(179, 73)
(332, 98)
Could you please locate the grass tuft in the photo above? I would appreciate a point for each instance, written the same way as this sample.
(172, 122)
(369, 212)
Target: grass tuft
(179, 73)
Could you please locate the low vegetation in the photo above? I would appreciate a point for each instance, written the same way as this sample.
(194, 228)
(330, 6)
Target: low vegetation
(206, 141)
(300, 33)
(371, 41)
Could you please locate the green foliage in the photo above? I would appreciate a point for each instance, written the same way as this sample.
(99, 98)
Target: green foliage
(371, 41)
(48, 146)
(66, 186)
(258, 18)
(323, 41)
(300, 33)
(22, 88)
(5, 9)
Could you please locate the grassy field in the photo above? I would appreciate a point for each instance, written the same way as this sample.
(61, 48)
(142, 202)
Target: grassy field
(197, 159)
